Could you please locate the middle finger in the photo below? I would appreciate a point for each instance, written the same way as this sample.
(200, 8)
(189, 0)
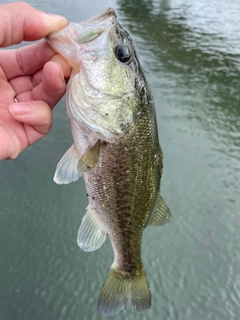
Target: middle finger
(26, 83)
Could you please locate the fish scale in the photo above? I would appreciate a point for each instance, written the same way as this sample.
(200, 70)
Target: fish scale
(126, 204)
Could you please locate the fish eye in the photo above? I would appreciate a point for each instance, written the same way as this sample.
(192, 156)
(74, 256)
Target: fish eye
(122, 52)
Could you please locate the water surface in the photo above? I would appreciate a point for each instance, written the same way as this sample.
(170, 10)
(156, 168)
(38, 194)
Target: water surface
(190, 53)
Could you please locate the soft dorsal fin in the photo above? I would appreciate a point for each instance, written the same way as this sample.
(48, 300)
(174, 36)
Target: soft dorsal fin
(161, 213)
(89, 159)
(90, 234)
(67, 170)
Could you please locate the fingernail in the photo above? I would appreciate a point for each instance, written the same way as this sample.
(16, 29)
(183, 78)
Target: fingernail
(56, 16)
(19, 109)
(55, 22)
(66, 68)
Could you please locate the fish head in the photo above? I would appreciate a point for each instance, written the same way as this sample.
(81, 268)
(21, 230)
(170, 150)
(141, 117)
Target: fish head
(101, 92)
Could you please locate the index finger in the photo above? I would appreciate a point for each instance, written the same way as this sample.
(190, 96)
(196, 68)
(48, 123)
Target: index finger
(19, 21)
(25, 61)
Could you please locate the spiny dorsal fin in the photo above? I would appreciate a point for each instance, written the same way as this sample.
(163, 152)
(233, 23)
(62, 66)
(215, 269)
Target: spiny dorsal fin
(66, 170)
(90, 234)
(161, 213)
(89, 159)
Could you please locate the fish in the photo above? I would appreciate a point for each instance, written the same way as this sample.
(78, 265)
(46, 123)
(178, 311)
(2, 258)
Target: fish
(115, 148)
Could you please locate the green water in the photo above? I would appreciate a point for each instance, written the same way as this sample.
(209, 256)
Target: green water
(190, 53)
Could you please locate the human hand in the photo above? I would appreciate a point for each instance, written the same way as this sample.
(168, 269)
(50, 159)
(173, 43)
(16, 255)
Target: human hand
(34, 75)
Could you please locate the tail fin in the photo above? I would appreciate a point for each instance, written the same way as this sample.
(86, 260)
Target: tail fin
(118, 288)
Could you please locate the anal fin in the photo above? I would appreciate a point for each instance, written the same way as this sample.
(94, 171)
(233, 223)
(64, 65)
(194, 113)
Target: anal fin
(161, 214)
(67, 170)
(90, 234)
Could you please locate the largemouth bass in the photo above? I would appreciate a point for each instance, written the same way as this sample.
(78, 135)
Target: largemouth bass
(116, 148)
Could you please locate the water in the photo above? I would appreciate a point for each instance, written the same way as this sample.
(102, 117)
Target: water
(190, 53)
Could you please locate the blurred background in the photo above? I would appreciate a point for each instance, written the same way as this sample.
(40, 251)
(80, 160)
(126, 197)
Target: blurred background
(190, 53)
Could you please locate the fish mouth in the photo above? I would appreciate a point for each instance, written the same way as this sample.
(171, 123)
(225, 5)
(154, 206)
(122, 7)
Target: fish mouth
(75, 40)
(88, 29)
(103, 17)
(96, 25)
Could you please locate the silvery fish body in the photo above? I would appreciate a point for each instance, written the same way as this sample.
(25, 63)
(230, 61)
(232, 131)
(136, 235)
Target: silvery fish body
(116, 148)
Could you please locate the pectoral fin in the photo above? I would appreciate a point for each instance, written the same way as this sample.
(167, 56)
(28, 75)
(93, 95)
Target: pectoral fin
(90, 234)
(89, 159)
(161, 214)
(67, 170)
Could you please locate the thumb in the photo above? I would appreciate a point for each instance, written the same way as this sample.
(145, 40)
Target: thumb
(21, 22)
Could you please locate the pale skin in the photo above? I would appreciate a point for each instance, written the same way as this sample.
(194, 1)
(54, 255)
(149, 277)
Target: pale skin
(34, 75)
